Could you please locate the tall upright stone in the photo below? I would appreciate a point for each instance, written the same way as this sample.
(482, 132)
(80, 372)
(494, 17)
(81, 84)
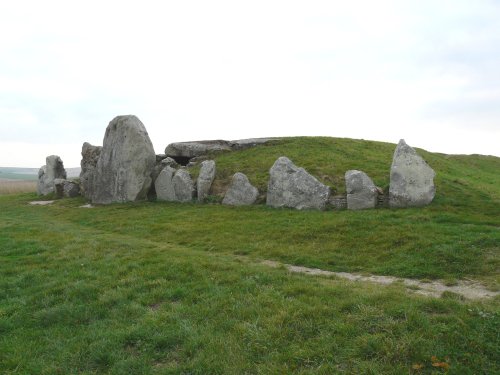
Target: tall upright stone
(123, 170)
(88, 164)
(205, 179)
(53, 169)
(361, 191)
(290, 186)
(412, 180)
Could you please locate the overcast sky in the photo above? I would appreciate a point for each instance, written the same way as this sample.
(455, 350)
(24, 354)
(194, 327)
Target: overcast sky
(424, 70)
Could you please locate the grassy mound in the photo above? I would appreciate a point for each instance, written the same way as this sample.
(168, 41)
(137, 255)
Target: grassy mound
(165, 288)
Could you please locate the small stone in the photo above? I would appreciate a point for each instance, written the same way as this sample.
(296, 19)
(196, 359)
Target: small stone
(241, 192)
(183, 186)
(164, 185)
(361, 191)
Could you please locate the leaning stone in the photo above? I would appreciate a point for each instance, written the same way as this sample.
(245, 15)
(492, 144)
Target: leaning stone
(123, 171)
(164, 185)
(205, 179)
(241, 192)
(361, 191)
(290, 186)
(90, 156)
(183, 186)
(53, 169)
(412, 180)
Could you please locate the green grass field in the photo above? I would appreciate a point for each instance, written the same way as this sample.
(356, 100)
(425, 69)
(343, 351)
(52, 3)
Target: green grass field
(164, 288)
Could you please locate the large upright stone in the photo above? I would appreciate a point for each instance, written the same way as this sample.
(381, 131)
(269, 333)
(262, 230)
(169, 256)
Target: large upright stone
(123, 171)
(361, 191)
(290, 186)
(164, 185)
(412, 180)
(241, 192)
(53, 169)
(88, 164)
(183, 186)
(205, 179)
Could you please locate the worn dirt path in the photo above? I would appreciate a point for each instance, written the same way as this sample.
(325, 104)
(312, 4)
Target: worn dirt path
(468, 289)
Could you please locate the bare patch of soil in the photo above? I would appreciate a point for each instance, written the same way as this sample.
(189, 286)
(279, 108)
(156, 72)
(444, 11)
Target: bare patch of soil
(472, 290)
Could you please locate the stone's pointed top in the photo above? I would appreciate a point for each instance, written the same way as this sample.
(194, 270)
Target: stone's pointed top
(291, 186)
(412, 180)
(402, 142)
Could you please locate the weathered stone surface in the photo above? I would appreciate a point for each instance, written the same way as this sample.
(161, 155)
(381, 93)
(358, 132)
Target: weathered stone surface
(66, 189)
(412, 180)
(164, 185)
(338, 202)
(242, 144)
(192, 149)
(90, 156)
(205, 179)
(361, 191)
(54, 168)
(183, 186)
(170, 162)
(290, 186)
(241, 192)
(123, 171)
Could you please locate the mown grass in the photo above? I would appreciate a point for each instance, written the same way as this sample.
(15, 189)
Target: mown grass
(160, 288)
(78, 296)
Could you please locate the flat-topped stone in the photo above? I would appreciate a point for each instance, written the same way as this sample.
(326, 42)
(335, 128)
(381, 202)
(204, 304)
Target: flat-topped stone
(198, 148)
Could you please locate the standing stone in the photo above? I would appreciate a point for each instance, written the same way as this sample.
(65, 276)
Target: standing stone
(183, 186)
(164, 185)
(54, 168)
(88, 164)
(290, 186)
(361, 191)
(412, 180)
(205, 179)
(123, 171)
(241, 192)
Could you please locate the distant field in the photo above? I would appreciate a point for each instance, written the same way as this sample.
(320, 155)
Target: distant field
(16, 186)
